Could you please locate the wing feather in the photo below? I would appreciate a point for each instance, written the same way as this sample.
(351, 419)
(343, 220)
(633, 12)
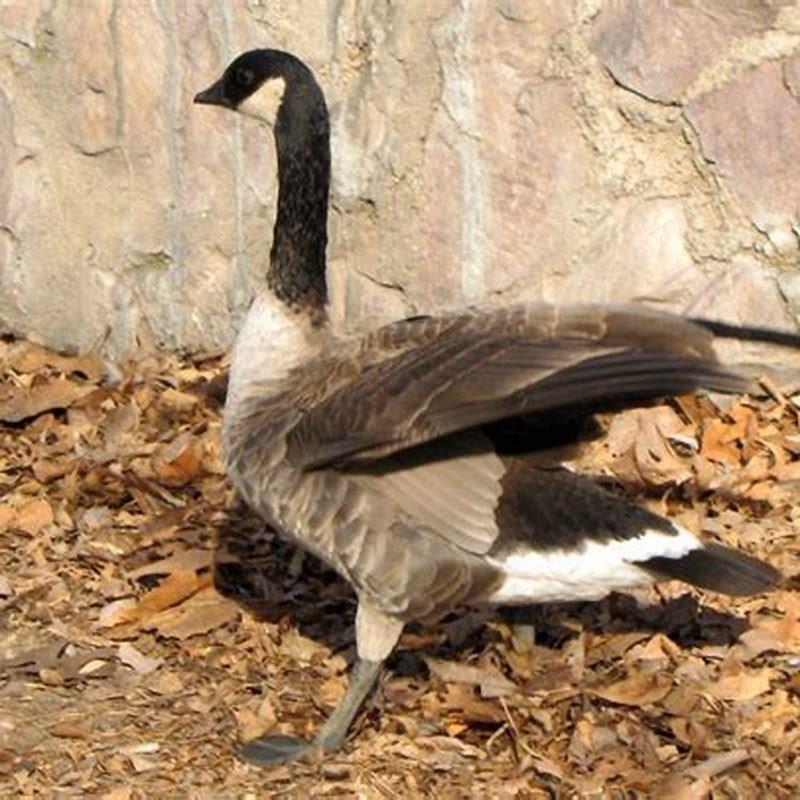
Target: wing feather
(451, 486)
(439, 376)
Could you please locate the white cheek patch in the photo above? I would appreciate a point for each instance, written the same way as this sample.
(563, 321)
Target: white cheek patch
(264, 103)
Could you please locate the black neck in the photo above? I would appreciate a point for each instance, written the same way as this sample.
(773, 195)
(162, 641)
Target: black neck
(302, 137)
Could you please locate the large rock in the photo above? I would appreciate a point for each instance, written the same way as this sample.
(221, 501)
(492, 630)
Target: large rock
(745, 294)
(750, 132)
(481, 152)
(658, 48)
(791, 75)
(6, 176)
(789, 284)
(638, 254)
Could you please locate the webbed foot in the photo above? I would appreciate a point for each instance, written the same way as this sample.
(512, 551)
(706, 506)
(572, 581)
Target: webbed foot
(277, 749)
(280, 749)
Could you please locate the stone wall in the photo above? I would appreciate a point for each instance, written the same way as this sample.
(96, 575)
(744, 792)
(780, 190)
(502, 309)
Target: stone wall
(641, 150)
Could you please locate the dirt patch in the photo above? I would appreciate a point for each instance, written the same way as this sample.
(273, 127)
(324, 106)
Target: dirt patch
(149, 623)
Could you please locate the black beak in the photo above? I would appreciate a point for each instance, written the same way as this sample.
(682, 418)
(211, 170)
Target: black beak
(213, 96)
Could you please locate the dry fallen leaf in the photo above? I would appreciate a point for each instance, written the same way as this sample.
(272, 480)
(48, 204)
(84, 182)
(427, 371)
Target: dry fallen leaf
(492, 683)
(51, 677)
(178, 401)
(17, 404)
(681, 787)
(658, 648)
(203, 612)
(744, 685)
(165, 683)
(609, 648)
(298, 647)
(143, 665)
(788, 472)
(786, 628)
(333, 689)
(34, 515)
(124, 523)
(118, 793)
(718, 763)
(753, 643)
(117, 612)
(461, 697)
(176, 588)
(256, 719)
(7, 516)
(180, 461)
(645, 434)
(639, 689)
(142, 763)
(185, 560)
(717, 443)
(46, 470)
(27, 357)
(70, 730)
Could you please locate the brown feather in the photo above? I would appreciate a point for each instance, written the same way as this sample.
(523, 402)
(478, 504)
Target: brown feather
(464, 371)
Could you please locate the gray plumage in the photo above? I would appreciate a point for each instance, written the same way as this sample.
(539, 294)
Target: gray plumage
(358, 456)
(379, 453)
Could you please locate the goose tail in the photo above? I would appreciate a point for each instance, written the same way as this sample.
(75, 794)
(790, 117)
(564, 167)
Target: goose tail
(716, 568)
(747, 333)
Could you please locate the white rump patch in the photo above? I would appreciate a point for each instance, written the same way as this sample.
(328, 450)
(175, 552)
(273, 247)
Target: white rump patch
(590, 573)
(264, 103)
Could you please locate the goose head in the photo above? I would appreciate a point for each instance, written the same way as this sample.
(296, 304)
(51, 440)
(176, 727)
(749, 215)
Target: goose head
(277, 88)
(254, 85)
(258, 83)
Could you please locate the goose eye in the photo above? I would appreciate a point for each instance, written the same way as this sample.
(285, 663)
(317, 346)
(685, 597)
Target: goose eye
(244, 77)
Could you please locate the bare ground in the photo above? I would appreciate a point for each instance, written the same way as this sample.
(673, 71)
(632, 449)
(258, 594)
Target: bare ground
(149, 624)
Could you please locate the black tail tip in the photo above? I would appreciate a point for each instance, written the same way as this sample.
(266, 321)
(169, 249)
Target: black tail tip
(717, 569)
(749, 333)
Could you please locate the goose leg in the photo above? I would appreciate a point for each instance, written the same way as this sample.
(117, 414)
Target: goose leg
(363, 678)
(277, 749)
(376, 636)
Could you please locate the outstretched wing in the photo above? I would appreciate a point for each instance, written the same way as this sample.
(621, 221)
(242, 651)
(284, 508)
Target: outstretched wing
(447, 374)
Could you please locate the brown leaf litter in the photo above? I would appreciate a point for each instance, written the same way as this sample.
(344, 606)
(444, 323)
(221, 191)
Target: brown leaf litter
(148, 623)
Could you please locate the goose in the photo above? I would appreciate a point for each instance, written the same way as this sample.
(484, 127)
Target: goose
(383, 453)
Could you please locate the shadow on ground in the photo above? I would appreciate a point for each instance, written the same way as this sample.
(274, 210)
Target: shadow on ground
(274, 582)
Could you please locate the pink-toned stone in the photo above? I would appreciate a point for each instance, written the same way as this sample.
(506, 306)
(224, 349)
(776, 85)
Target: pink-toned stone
(86, 58)
(358, 302)
(537, 164)
(791, 75)
(538, 174)
(747, 295)
(6, 155)
(94, 123)
(142, 80)
(513, 37)
(505, 175)
(439, 227)
(6, 178)
(18, 20)
(750, 132)
(658, 47)
(475, 154)
(638, 254)
(789, 283)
